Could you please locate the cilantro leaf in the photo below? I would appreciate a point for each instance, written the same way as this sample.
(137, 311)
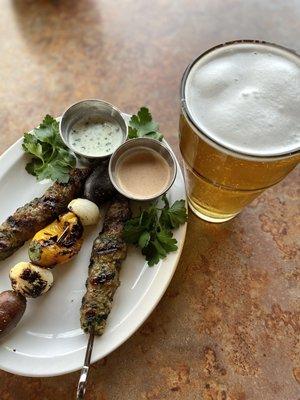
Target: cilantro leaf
(151, 254)
(54, 170)
(48, 120)
(32, 145)
(46, 132)
(151, 230)
(34, 165)
(135, 227)
(160, 249)
(148, 218)
(142, 125)
(172, 217)
(65, 157)
(50, 158)
(167, 241)
(132, 231)
(144, 239)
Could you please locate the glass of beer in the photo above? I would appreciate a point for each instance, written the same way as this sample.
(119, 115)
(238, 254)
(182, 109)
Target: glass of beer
(239, 125)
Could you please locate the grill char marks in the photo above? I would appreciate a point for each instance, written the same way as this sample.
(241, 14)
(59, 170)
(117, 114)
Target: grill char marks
(103, 278)
(34, 278)
(109, 250)
(34, 216)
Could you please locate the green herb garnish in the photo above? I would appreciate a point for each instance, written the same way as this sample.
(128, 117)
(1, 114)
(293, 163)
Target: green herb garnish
(152, 229)
(51, 159)
(142, 125)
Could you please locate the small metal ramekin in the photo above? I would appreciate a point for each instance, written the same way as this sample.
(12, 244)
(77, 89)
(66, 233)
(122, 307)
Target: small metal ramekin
(142, 143)
(86, 108)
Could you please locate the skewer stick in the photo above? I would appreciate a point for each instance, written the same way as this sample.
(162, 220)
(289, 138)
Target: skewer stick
(81, 388)
(63, 235)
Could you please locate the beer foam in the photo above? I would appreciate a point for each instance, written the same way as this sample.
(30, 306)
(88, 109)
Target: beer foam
(246, 97)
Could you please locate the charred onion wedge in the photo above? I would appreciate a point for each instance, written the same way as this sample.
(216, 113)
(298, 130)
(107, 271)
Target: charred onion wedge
(30, 280)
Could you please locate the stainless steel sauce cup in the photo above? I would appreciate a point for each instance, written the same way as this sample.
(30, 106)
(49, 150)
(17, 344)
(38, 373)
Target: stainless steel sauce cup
(147, 143)
(90, 108)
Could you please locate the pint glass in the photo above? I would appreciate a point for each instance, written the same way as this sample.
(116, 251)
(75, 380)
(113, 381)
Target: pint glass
(239, 125)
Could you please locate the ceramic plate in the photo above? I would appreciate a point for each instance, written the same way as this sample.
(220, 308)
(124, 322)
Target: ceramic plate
(48, 340)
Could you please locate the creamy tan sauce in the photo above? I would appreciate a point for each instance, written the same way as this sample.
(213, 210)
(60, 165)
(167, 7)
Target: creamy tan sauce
(142, 173)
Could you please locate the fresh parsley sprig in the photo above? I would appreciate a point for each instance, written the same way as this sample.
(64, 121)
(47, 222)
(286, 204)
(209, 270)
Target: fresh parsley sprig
(142, 125)
(152, 229)
(51, 159)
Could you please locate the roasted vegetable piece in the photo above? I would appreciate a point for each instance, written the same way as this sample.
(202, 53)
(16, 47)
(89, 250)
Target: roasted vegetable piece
(12, 308)
(37, 214)
(58, 242)
(30, 280)
(98, 187)
(86, 210)
(109, 250)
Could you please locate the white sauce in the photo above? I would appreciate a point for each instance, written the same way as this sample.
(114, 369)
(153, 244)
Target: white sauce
(94, 137)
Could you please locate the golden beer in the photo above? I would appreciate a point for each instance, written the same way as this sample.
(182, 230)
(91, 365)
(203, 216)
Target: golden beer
(239, 125)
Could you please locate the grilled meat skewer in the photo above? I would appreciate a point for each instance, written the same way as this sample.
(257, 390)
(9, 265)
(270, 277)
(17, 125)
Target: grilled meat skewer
(33, 216)
(109, 250)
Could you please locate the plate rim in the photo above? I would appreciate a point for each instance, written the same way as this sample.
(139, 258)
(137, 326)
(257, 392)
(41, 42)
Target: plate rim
(10, 157)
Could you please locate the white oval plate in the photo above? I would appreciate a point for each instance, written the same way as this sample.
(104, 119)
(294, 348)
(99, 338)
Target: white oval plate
(48, 340)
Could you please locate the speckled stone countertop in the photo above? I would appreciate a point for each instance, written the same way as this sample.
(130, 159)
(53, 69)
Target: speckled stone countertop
(228, 327)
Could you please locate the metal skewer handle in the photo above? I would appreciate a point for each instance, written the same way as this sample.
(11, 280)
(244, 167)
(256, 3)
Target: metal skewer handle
(81, 388)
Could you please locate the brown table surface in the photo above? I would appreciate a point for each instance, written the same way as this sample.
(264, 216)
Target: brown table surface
(228, 326)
